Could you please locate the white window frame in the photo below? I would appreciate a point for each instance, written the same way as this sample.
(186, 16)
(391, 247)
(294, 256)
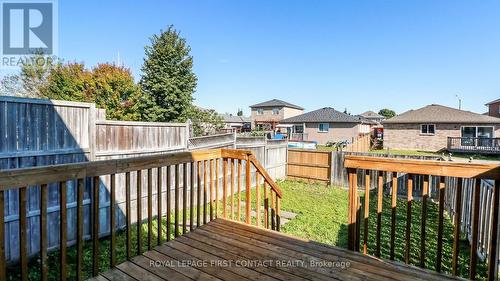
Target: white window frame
(427, 134)
(260, 111)
(277, 111)
(327, 127)
(477, 128)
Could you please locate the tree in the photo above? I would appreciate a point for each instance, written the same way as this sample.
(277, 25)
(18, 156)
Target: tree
(114, 89)
(204, 121)
(69, 82)
(240, 112)
(34, 73)
(387, 113)
(168, 81)
(109, 86)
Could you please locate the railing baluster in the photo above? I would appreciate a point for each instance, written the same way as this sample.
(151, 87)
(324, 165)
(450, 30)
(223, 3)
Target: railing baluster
(43, 232)
(128, 213)
(224, 187)
(238, 205)
(273, 212)
(352, 178)
(63, 225)
(248, 200)
(205, 201)
(95, 227)
(367, 211)
(439, 254)
(266, 207)
(409, 200)
(358, 224)
(475, 228)
(278, 216)
(216, 188)
(159, 186)
(211, 189)
(425, 196)
(79, 229)
(184, 197)
(22, 234)
(150, 209)
(493, 250)
(379, 210)
(169, 202)
(112, 219)
(456, 231)
(191, 198)
(231, 195)
(394, 201)
(3, 270)
(257, 199)
(139, 212)
(176, 201)
(198, 198)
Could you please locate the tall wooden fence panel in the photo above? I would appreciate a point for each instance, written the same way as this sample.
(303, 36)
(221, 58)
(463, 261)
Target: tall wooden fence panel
(212, 141)
(309, 164)
(39, 133)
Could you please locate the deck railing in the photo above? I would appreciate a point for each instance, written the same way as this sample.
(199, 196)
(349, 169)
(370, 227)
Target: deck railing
(478, 145)
(262, 203)
(359, 211)
(298, 136)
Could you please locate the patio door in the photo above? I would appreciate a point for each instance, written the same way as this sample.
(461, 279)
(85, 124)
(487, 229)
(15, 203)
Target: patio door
(485, 134)
(468, 136)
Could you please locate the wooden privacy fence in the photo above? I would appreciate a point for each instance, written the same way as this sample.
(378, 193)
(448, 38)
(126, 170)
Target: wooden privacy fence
(359, 211)
(168, 182)
(359, 144)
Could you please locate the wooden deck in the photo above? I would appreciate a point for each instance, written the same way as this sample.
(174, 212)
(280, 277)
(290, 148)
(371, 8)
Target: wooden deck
(227, 250)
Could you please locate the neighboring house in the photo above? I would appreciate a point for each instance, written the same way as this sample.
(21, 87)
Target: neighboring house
(429, 127)
(373, 116)
(235, 122)
(494, 108)
(327, 124)
(267, 115)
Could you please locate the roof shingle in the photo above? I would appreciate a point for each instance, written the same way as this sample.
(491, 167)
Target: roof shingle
(436, 113)
(276, 102)
(326, 114)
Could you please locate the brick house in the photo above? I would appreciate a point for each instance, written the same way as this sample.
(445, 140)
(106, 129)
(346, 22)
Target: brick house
(266, 115)
(327, 124)
(428, 128)
(494, 108)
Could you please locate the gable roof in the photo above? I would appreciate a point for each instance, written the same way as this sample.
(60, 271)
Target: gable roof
(436, 113)
(371, 114)
(491, 102)
(229, 118)
(325, 114)
(276, 102)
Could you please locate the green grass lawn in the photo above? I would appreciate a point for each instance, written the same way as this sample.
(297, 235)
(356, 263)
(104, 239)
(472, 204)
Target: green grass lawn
(322, 216)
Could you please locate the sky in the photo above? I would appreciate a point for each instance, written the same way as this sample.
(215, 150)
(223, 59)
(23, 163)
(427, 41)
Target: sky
(359, 55)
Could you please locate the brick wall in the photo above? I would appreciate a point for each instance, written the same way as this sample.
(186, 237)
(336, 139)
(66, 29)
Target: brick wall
(407, 136)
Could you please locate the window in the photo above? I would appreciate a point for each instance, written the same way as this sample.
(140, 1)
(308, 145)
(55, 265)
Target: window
(260, 111)
(427, 129)
(323, 127)
(276, 111)
(498, 108)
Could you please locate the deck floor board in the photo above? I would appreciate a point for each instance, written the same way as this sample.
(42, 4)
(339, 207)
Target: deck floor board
(228, 250)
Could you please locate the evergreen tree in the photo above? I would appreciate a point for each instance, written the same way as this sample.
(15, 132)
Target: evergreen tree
(168, 81)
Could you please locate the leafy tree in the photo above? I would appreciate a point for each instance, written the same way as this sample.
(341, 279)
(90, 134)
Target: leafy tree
(240, 112)
(168, 81)
(114, 89)
(204, 121)
(387, 113)
(34, 73)
(70, 82)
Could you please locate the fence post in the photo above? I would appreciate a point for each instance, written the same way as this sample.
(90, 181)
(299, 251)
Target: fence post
(188, 133)
(92, 132)
(331, 169)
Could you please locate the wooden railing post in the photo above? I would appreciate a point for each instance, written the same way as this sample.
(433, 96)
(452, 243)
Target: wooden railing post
(456, 231)
(423, 241)
(439, 254)
(394, 202)
(367, 211)
(352, 177)
(475, 228)
(409, 201)
(248, 184)
(493, 250)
